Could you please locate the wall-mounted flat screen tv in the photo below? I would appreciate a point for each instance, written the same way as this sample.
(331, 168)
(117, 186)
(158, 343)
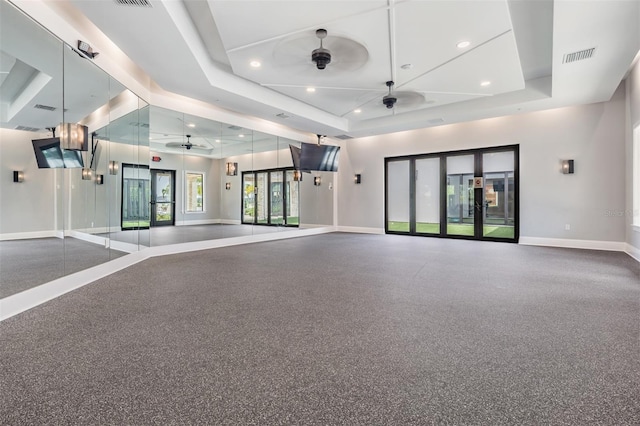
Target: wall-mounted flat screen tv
(310, 157)
(49, 155)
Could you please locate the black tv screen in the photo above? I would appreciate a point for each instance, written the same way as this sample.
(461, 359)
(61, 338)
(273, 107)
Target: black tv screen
(49, 155)
(295, 156)
(310, 157)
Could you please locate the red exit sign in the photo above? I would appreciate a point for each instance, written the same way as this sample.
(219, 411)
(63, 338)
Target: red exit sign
(155, 158)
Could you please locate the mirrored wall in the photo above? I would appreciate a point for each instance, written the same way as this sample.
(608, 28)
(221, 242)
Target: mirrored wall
(149, 176)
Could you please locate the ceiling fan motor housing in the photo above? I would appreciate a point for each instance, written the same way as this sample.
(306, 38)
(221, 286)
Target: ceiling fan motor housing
(321, 57)
(389, 101)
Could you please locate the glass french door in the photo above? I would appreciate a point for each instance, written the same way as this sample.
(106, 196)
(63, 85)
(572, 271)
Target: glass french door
(469, 194)
(163, 197)
(270, 197)
(248, 198)
(136, 193)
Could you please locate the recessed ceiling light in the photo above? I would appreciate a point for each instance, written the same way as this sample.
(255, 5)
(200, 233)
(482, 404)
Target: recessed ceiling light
(191, 125)
(311, 89)
(485, 83)
(255, 64)
(357, 111)
(218, 140)
(406, 66)
(241, 135)
(463, 44)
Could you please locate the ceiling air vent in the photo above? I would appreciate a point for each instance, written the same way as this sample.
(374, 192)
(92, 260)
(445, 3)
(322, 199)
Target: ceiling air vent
(343, 137)
(436, 121)
(283, 115)
(235, 128)
(139, 3)
(27, 128)
(46, 107)
(578, 56)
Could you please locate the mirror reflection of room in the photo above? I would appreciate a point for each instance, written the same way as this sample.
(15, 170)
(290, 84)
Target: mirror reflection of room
(146, 175)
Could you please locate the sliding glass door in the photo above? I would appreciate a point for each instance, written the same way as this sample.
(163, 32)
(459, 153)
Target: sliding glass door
(460, 195)
(469, 194)
(499, 214)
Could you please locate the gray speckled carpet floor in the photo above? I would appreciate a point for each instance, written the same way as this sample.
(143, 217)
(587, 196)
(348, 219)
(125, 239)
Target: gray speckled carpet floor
(336, 329)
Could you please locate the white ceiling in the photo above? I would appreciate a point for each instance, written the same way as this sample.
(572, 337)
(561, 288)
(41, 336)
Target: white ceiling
(203, 49)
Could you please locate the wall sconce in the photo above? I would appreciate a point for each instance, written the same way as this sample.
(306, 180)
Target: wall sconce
(227, 186)
(297, 176)
(357, 178)
(86, 173)
(316, 181)
(232, 169)
(567, 167)
(99, 179)
(18, 176)
(113, 167)
(73, 136)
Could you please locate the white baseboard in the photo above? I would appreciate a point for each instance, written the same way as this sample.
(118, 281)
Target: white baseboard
(579, 244)
(30, 235)
(95, 239)
(198, 222)
(124, 247)
(314, 225)
(633, 252)
(360, 230)
(230, 222)
(96, 230)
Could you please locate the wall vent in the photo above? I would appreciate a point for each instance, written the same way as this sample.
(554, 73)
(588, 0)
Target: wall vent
(139, 3)
(578, 56)
(45, 107)
(27, 128)
(343, 137)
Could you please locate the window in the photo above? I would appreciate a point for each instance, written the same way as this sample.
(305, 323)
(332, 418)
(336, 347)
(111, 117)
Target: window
(635, 185)
(194, 192)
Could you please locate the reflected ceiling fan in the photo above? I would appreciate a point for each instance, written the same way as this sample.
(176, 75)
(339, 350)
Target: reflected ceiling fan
(188, 145)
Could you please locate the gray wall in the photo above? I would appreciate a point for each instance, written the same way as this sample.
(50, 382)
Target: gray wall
(593, 135)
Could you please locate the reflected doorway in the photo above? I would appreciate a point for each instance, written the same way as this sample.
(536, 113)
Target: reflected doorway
(163, 196)
(136, 194)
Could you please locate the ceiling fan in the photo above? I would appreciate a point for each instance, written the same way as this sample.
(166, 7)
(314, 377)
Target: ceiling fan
(336, 54)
